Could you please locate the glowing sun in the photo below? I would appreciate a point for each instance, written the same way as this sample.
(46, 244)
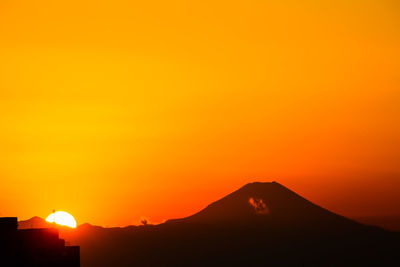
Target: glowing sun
(62, 218)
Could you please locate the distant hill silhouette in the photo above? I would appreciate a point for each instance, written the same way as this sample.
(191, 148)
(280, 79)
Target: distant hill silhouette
(261, 224)
(34, 222)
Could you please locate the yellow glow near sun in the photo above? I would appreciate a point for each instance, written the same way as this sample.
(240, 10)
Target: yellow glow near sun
(62, 218)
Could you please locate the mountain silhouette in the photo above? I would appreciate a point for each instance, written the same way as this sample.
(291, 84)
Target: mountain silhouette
(261, 224)
(268, 204)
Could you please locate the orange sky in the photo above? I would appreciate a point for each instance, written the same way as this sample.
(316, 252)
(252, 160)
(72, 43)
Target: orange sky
(121, 109)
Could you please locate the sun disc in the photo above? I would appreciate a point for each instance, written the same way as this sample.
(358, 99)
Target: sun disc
(62, 218)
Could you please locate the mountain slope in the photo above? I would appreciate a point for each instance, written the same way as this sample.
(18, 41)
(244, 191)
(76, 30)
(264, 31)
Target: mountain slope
(268, 203)
(261, 224)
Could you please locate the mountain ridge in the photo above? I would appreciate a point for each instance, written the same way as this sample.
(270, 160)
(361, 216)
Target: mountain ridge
(261, 200)
(259, 224)
(264, 201)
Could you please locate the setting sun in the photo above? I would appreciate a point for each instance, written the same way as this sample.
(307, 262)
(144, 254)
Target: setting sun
(62, 218)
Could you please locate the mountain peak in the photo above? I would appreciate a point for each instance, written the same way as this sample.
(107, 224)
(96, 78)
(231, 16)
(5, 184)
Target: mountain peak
(256, 185)
(265, 202)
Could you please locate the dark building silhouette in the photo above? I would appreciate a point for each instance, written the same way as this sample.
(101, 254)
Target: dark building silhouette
(34, 247)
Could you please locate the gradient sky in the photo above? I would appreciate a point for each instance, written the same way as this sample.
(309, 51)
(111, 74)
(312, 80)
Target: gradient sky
(114, 110)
